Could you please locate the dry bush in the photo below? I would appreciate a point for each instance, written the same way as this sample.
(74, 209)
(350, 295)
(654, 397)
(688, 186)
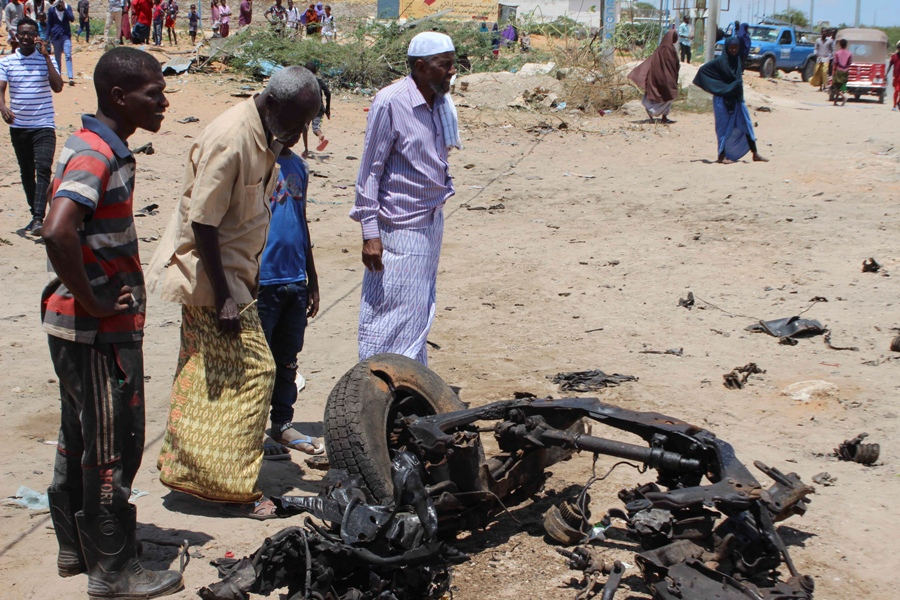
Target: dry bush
(592, 80)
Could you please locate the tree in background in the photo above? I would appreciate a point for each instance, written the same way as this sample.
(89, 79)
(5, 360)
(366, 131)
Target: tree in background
(793, 16)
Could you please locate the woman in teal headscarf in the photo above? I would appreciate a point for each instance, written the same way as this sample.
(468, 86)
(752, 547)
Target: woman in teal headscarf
(722, 77)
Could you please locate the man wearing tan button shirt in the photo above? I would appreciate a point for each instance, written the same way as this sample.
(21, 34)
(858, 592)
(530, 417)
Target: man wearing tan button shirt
(208, 260)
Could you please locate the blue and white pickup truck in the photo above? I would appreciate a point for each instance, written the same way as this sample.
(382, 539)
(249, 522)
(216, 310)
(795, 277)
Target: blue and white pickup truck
(779, 47)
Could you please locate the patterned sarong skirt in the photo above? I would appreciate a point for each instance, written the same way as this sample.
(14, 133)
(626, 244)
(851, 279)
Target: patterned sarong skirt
(213, 446)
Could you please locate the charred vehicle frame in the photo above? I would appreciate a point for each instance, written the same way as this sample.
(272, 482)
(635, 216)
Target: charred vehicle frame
(706, 527)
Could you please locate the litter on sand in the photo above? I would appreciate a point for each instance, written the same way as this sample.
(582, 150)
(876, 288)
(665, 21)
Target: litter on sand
(147, 211)
(870, 266)
(30, 499)
(789, 327)
(588, 381)
(737, 378)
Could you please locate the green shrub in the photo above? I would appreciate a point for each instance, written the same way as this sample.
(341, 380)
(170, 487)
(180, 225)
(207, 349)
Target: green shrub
(368, 55)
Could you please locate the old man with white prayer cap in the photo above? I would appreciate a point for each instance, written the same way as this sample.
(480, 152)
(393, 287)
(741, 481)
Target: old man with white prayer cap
(404, 181)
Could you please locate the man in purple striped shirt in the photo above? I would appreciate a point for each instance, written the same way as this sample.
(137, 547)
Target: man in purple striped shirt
(404, 181)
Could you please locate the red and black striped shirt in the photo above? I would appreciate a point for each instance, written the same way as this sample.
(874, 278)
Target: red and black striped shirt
(96, 169)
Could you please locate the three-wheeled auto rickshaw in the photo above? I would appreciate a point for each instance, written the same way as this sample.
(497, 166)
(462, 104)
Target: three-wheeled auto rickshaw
(869, 48)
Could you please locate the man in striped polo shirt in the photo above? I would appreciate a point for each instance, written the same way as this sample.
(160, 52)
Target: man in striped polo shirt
(404, 180)
(93, 313)
(31, 74)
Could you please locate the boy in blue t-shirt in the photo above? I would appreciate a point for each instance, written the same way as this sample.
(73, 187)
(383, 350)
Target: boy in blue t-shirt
(288, 296)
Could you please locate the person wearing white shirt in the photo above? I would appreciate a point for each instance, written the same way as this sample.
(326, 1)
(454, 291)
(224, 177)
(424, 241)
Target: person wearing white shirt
(685, 37)
(329, 32)
(293, 18)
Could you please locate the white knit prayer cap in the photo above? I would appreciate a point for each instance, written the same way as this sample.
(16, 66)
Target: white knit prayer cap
(429, 43)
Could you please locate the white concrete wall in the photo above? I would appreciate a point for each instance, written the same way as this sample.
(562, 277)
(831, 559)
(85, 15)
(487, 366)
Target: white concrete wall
(586, 12)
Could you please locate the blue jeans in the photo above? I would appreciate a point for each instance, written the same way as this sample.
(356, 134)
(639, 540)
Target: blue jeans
(60, 47)
(282, 312)
(157, 33)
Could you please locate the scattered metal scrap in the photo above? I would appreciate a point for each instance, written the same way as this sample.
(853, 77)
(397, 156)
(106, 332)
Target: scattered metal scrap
(833, 347)
(688, 552)
(870, 266)
(855, 451)
(672, 351)
(824, 478)
(385, 551)
(147, 211)
(688, 302)
(178, 64)
(588, 381)
(591, 562)
(737, 378)
(145, 149)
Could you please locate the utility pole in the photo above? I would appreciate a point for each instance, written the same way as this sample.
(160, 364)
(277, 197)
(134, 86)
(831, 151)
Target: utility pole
(857, 12)
(712, 26)
(812, 6)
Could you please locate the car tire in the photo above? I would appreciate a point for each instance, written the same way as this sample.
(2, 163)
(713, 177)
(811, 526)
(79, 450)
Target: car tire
(767, 68)
(808, 70)
(881, 97)
(856, 97)
(362, 407)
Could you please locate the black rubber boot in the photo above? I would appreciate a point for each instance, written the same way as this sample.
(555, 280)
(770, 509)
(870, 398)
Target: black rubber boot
(108, 542)
(70, 561)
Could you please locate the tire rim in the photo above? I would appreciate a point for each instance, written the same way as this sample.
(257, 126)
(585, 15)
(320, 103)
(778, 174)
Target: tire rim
(404, 403)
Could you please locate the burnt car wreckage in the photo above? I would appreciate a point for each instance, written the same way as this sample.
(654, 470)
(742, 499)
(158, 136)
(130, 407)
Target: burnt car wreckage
(706, 526)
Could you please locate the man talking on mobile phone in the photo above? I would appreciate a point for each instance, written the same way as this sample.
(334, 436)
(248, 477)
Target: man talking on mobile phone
(31, 73)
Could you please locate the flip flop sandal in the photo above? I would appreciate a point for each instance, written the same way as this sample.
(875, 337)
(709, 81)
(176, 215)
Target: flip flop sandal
(276, 452)
(295, 445)
(258, 510)
(322, 145)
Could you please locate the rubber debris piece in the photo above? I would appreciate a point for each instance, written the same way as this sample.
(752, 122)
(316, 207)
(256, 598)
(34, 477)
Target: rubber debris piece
(895, 344)
(688, 302)
(788, 327)
(855, 451)
(588, 381)
(870, 266)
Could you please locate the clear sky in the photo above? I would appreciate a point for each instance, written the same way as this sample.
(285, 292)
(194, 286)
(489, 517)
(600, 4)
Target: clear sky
(872, 12)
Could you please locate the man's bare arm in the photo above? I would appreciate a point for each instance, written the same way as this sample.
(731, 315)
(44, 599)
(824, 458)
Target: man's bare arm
(64, 251)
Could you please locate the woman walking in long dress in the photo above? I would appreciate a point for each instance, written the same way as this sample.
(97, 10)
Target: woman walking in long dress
(658, 77)
(723, 78)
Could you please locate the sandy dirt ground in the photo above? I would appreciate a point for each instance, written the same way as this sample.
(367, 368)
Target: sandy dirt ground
(564, 250)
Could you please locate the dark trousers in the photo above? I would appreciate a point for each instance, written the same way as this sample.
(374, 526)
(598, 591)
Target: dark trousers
(685, 53)
(34, 151)
(140, 34)
(101, 436)
(282, 313)
(85, 26)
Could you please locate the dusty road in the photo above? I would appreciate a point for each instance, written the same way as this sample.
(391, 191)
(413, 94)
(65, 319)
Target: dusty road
(604, 226)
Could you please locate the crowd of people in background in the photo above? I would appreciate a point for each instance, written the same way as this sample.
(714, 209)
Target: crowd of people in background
(150, 21)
